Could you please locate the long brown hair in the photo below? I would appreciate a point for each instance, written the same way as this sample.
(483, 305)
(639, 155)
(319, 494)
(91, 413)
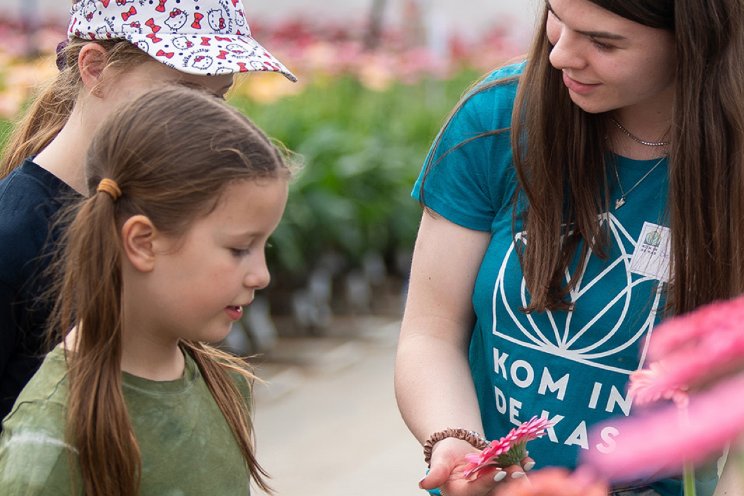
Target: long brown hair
(49, 111)
(706, 160)
(172, 173)
(706, 171)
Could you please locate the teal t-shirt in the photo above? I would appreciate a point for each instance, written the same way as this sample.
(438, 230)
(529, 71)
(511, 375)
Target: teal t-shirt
(187, 446)
(570, 367)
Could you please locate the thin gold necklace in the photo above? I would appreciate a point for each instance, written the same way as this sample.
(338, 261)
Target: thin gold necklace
(636, 138)
(623, 194)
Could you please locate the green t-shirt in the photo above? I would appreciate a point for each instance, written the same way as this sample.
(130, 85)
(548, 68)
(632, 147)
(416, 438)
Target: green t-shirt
(186, 444)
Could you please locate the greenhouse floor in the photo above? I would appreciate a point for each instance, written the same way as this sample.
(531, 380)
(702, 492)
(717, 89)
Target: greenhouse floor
(326, 421)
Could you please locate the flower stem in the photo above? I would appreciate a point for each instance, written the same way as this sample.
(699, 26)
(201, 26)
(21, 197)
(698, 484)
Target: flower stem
(688, 478)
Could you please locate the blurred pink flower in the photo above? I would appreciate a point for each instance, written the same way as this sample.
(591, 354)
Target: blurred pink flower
(686, 331)
(701, 352)
(557, 482)
(690, 351)
(647, 386)
(509, 450)
(314, 50)
(659, 443)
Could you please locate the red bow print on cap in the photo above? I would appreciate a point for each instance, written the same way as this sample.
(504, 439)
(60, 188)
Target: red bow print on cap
(126, 15)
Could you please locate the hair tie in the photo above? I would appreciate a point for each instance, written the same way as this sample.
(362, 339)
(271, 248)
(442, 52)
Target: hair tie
(109, 187)
(61, 58)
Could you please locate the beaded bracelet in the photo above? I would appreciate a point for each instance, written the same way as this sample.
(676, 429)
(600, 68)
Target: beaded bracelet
(476, 440)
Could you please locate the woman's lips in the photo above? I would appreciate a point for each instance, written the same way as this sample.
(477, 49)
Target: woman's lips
(577, 87)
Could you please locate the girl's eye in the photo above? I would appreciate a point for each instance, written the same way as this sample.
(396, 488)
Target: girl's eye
(239, 252)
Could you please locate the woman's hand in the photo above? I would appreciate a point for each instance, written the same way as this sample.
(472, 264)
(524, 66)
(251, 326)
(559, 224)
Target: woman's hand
(448, 465)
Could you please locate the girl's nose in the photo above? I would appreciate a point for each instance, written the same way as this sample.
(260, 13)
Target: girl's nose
(258, 277)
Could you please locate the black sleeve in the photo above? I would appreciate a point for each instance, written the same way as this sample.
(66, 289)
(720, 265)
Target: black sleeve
(8, 327)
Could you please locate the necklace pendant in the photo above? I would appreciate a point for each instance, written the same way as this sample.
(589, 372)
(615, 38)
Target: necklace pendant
(619, 202)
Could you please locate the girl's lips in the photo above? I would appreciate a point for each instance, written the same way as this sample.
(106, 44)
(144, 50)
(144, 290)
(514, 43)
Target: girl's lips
(577, 87)
(234, 312)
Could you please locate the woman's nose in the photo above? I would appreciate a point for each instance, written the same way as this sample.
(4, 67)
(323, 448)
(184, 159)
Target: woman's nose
(566, 52)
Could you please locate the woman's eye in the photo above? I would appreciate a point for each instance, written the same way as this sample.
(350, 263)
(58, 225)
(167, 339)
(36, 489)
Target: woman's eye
(601, 46)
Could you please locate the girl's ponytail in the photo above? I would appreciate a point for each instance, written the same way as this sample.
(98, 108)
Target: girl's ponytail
(90, 295)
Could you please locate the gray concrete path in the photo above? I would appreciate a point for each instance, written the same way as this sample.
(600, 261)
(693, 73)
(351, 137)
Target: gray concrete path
(326, 421)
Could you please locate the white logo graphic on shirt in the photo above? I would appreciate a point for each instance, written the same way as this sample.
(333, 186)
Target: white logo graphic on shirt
(569, 339)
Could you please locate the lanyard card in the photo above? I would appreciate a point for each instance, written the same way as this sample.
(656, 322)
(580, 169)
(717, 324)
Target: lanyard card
(651, 256)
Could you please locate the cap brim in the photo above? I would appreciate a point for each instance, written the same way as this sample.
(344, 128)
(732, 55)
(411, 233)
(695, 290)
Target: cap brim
(209, 55)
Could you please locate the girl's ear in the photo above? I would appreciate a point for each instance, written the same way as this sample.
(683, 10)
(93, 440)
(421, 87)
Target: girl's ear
(138, 236)
(91, 63)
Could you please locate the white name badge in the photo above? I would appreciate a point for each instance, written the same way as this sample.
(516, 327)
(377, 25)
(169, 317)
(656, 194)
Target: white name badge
(651, 256)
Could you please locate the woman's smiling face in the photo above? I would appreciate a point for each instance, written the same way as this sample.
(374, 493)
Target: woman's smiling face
(610, 62)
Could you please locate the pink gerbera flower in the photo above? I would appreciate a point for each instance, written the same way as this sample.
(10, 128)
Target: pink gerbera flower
(509, 450)
(706, 324)
(702, 352)
(648, 386)
(691, 351)
(661, 442)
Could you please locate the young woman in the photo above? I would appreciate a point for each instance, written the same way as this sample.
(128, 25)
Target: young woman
(572, 201)
(116, 51)
(159, 260)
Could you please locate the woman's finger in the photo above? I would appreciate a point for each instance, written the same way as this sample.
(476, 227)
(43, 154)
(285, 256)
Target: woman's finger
(528, 463)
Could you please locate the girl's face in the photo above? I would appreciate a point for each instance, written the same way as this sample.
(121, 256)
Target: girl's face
(127, 84)
(609, 62)
(202, 280)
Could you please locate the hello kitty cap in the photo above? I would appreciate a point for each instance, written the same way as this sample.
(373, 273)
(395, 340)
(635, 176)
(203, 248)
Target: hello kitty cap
(204, 37)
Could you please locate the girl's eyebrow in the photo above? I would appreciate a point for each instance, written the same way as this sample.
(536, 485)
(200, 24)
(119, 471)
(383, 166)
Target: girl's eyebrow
(591, 34)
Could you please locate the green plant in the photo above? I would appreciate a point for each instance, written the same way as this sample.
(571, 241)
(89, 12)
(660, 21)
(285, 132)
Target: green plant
(5, 128)
(361, 152)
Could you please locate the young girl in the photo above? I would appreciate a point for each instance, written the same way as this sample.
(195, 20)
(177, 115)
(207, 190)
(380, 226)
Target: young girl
(159, 260)
(116, 50)
(580, 196)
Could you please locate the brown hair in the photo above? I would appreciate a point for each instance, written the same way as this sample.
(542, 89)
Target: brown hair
(706, 161)
(172, 173)
(50, 110)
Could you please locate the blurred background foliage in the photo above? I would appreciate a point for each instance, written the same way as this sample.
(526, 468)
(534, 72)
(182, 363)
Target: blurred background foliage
(359, 152)
(358, 125)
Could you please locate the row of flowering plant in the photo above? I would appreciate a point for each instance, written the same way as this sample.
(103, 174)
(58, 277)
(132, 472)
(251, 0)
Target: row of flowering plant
(315, 50)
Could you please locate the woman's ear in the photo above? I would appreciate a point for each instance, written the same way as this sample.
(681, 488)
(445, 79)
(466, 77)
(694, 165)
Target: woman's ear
(138, 235)
(91, 63)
